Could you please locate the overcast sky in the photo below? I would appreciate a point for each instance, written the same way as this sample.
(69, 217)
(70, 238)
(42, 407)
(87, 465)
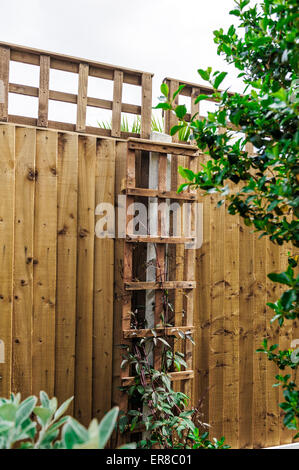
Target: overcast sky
(167, 37)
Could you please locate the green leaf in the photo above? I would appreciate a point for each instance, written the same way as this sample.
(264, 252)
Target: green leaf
(106, 426)
(288, 298)
(62, 409)
(182, 187)
(235, 12)
(201, 97)
(5, 426)
(8, 412)
(44, 414)
(186, 173)
(25, 409)
(165, 106)
(74, 433)
(164, 90)
(282, 278)
(178, 91)
(175, 129)
(219, 79)
(204, 74)
(180, 111)
(44, 399)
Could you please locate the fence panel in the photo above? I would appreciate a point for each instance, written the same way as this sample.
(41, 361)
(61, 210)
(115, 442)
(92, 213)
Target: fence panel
(57, 285)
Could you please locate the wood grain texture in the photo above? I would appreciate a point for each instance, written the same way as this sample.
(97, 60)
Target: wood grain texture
(146, 106)
(246, 338)
(259, 360)
(85, 278)
(116, 106)
(25, 176)
(202, 317)
(66, 266)
(231, 358)
(217, 318)
(272, 289)
(44, 272)
(82, 97)
(43, 92)
(7, 204)
(103, 286)
(4, 80)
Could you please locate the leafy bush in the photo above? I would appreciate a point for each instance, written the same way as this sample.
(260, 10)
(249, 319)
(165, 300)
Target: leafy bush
(264, 48)
(29, 425)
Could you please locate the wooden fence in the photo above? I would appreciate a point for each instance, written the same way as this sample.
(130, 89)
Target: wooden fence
(57, 290)
(57, 280)
(84, 68)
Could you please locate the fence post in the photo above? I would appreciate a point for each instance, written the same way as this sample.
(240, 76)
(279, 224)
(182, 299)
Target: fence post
(4, 80)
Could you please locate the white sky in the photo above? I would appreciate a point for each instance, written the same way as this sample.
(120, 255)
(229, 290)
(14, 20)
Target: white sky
(167, 37)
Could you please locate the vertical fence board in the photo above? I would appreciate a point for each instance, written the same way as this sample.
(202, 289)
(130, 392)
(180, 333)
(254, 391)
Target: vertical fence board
(85, 278)
(82, 97)
(259, 360)
(231, 330)
(202, 321)
(116, 105)
(146, 106)
(272, 265)
(288, 333)
(7, 186)
(43, 96)
(246, 318)
(103, 286)
(44, 272)
(4, 80)
(23, 260)
(217, 318)
(66, 266)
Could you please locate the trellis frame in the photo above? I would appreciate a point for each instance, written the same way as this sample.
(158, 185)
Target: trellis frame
(125, 286)
(84, 68)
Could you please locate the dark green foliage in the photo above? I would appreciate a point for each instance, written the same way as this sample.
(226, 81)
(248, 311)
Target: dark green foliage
(264, 47)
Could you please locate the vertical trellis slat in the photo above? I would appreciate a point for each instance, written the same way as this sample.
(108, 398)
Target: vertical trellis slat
(82, 97)
(4, 80)
(116, 106)
(43, 97)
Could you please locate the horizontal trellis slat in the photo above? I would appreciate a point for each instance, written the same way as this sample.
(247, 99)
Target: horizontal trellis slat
(84, 69)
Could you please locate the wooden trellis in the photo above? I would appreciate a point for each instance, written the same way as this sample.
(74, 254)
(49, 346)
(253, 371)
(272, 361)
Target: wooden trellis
(84, 68)
(130, 157)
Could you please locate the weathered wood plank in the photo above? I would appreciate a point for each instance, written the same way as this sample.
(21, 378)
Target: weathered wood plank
(202, 318)
(82, 97)
(231, 329)
(146, 192)
(103, 286)
(23, 260)
(259, 360)
(85, 278)
(217, 317)
(7, 203)
(116, 106)
(147, 333)
(272, 265)
(66, 267)
(146, 106)
(246, 324)
(43, 95)
(44, 272)
(4, 80)
(159, 285)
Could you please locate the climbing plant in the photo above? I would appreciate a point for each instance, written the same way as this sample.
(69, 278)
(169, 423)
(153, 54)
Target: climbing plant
(264, 49)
